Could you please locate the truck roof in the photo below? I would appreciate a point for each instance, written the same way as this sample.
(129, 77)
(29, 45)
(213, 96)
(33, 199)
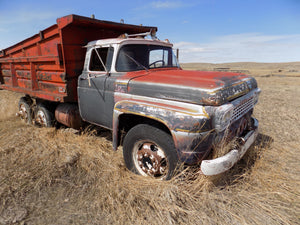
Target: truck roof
(110, 41)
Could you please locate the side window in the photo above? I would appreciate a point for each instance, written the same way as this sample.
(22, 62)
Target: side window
(101, 57)
(158, 58)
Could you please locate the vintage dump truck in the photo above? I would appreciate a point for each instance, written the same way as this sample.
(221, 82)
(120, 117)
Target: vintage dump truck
(115, 76)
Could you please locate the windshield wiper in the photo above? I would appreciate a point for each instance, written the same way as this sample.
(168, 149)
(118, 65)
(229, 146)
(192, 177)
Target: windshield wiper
(136, 62)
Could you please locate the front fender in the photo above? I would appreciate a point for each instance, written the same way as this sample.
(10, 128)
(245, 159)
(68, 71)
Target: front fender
(188, 123)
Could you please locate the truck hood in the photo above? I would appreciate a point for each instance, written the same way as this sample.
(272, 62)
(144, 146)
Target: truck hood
(198, 87)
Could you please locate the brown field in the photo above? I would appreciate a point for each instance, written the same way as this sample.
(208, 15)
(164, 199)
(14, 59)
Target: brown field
(255, 69)
(58, 176)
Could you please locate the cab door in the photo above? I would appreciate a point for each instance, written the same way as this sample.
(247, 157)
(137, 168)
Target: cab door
(95, 88)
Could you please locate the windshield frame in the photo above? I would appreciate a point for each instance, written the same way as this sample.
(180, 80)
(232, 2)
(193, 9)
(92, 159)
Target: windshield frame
(142, 62)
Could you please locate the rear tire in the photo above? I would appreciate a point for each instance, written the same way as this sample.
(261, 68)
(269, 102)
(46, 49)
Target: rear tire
(150, 151)
(43, 116)
(25, 110)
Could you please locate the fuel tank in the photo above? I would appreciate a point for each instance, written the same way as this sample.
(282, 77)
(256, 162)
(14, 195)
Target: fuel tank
(68, 114)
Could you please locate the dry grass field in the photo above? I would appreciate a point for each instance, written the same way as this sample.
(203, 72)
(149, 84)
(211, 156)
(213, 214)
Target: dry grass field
(255, 69)
(60, 176)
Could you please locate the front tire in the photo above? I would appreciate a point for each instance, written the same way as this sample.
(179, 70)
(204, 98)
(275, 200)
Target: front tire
(150, 151)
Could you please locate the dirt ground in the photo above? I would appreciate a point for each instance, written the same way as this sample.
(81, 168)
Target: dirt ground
(61, 176)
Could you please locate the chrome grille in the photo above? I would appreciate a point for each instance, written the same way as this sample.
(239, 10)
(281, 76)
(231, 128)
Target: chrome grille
(241, 107)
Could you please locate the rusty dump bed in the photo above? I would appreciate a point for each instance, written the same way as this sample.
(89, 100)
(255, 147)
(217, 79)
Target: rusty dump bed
(47, 65)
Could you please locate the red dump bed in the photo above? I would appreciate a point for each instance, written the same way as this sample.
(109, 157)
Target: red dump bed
(48, 64)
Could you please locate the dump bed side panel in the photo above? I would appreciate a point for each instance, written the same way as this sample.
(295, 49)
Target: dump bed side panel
(34, 66)
(48, 64)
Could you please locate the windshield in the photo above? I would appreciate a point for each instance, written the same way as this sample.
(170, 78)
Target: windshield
(141, 57)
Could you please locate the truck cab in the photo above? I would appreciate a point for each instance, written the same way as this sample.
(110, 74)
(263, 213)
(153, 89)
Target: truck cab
(109, 67)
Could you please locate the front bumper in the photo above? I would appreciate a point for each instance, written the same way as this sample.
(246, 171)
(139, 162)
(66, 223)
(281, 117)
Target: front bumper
(224, 163)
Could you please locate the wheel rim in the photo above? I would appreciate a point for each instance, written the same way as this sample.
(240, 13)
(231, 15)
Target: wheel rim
(23, 112)
(150, 159)
(41, 118)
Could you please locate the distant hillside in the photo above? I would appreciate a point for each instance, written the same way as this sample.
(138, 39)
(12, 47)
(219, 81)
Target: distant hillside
(259, 69)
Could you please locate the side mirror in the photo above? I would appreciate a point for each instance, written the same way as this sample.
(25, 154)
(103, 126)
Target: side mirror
(177, 53)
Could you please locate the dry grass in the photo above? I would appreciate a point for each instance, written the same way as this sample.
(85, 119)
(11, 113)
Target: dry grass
(50, 176)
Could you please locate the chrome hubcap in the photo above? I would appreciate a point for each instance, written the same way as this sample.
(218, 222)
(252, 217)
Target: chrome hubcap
(150, 159)
(23, 113)
(41, 118)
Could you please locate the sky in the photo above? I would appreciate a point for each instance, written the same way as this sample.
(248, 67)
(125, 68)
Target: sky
(207, 31)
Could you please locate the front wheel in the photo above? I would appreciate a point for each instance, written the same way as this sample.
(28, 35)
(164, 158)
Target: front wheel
(150, 151)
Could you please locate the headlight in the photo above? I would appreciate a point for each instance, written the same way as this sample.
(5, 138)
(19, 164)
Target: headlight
(222, 117)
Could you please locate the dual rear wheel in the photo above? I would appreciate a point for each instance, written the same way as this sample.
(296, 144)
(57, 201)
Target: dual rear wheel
(39, 114)
(25, 110)
(43, 116)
